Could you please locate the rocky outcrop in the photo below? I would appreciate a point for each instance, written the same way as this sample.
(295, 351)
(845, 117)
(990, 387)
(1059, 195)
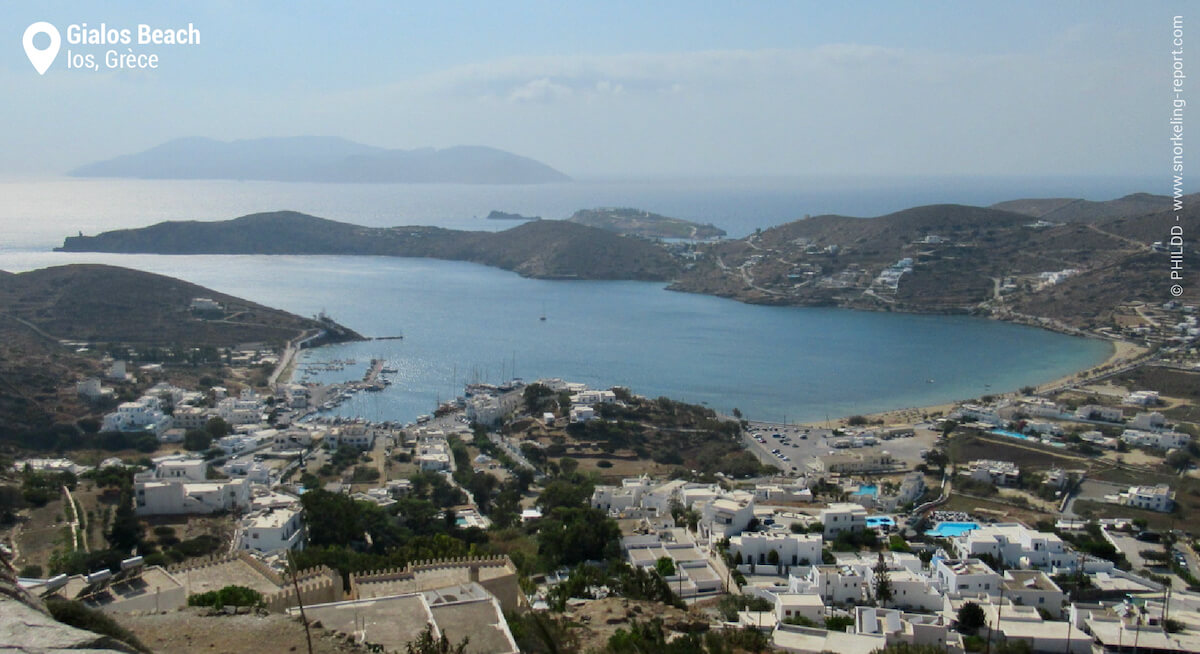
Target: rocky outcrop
(26, 625)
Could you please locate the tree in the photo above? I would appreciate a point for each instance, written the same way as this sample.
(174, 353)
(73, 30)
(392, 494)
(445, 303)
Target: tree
(126, 531)
(883, 583)
(197, 440)
(665, 566)
(217, 427)
(536, 397)
(426, 643)
(971, 618)
(773, 557)
(938, 459)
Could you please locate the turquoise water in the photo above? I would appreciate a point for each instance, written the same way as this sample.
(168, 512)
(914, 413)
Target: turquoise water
(951, 529)
(867, 490)
(1013, 434)
(1025, 437)
(877, 520)
(464, 322)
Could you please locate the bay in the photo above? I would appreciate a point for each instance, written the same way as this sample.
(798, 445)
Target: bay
(464, 322)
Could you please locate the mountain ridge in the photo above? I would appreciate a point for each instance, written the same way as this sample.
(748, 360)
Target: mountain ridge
(550, 249)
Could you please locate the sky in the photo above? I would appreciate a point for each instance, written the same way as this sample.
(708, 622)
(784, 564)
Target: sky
(625, 89)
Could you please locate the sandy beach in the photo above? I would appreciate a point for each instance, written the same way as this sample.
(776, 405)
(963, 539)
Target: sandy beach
(1123, 353)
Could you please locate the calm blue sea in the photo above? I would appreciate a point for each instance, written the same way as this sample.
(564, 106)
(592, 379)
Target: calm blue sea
(464, 322)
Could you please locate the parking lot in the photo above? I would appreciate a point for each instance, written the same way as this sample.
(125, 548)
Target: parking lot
(796, 446)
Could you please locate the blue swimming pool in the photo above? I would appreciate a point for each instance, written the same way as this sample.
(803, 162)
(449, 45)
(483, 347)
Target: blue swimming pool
(950, 529)
(1012, 434)
(871, 490)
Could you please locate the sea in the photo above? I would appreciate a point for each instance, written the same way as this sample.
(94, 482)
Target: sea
(463, 322)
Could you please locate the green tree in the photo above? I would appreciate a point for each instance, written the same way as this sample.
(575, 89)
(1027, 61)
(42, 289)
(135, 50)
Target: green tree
(971, 618)
(217, 427)
(773, 557)
(126, 531)
(537, 398)
(883, 582)
(197, 440)
(665, 566)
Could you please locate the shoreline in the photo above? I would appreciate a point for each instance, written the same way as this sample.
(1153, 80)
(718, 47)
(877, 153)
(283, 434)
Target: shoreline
(1124, 353)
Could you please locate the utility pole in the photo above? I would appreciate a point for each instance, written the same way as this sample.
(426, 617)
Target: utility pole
(299, 601)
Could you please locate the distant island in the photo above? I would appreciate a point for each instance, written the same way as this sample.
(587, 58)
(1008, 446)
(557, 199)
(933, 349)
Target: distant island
(500, 215)
(549, 249)
(635, 222)
(322, 159)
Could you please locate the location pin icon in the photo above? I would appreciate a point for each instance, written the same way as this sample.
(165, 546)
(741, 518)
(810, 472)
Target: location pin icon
(41, 59)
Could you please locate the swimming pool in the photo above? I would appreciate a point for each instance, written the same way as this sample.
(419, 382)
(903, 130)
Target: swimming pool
(1012, 434)
(950, 529)
(871, 490)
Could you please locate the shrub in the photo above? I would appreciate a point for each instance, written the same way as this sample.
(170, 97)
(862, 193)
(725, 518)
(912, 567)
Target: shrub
(227, 596)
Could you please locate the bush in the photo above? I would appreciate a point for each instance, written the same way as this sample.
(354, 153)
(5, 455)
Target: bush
(227, 596)
(604, 463)
(79, 616)
(199, 546)
(31, 572)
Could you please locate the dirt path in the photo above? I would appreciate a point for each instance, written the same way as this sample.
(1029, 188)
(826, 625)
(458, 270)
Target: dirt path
(191, 631)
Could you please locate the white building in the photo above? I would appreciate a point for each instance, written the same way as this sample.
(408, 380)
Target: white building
(911, 488)
(618, 499)
(255, 471)
(91, 390)
(1100, 413)
(1161, 440)
(358, 436)
(910, 590)
(590, 397)
(844, 516)
(489, 405)
(582, 413)
(291, 439)
(792, 549)
(1152, 498)
(177, 487)
(240, 411)
(1149, 421)
(1000, 473)
(965, 577)
(1142, 398)
(802, 605)
(1033, 588)
(205, 305)
(272, 529)
(145, 414)
(836, 584)
(1017, 546)
(188, 418)
(433, 454)
(728, 515)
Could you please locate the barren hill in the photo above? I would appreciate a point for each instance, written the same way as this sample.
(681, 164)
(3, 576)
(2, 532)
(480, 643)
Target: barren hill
(542, 248)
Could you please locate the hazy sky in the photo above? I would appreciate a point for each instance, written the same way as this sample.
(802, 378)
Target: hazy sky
(622, 88)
